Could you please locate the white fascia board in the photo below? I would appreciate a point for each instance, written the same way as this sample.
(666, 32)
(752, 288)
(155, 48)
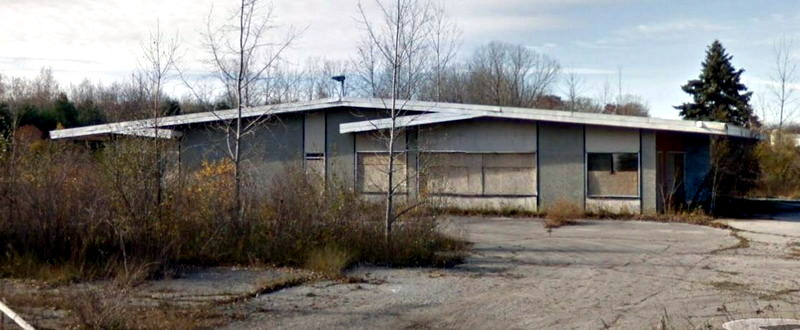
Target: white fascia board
(404, 121)
(161, 133)
(702, 127)
(192, 118)
(559, 116)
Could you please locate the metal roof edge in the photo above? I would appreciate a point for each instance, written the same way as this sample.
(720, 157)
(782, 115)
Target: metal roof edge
(455, 109)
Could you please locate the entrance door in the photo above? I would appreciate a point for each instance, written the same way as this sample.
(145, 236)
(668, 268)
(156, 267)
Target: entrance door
(670, 172)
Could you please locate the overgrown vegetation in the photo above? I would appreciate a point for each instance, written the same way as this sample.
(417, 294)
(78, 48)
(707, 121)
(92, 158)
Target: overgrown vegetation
(70, 213)
(780, 169)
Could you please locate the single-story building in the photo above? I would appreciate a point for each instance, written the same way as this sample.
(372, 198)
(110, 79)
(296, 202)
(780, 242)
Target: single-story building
(469, 156)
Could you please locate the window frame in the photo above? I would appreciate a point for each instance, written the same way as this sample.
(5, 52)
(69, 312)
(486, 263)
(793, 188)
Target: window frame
(638, 176)
(483, 194)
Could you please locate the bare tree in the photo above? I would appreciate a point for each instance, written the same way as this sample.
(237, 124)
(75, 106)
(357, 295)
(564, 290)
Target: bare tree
(573, 87)
(784, 76)
(512, 75)
(628, 105)
(158, 61)
(242, 55)
(400, 39)
(445, 41)
(604, 95)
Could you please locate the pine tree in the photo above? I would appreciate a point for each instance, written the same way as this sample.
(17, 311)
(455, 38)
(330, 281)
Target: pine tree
(718, 94)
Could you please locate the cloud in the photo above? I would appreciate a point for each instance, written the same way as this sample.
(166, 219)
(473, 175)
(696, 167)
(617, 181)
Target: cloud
(768, 83)
(588, 71)
(674, 30)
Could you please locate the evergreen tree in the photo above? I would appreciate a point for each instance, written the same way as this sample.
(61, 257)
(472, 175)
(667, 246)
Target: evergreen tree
(718, 94)
(64, 111)
(89, 114)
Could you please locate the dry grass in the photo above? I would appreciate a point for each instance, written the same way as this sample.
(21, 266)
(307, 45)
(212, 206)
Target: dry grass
(562, 213)
(329, 261)
(109, 308)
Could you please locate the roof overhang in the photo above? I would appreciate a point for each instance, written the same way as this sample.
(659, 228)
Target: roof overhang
(701, 127)
(192, 118)
(432, 112)
(403, 121)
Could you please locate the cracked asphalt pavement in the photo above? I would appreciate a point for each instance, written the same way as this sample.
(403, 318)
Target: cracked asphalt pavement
(595, 275)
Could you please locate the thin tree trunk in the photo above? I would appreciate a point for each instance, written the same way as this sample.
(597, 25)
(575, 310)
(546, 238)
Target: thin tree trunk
(237, 175)
(393, 115)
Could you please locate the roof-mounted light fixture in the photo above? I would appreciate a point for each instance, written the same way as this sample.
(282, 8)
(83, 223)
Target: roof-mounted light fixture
(340, 79)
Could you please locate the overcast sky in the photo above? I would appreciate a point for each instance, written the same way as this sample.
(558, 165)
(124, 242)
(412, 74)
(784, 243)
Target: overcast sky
(657, 44)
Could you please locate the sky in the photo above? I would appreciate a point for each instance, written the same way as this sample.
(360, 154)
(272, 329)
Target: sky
(653, 46)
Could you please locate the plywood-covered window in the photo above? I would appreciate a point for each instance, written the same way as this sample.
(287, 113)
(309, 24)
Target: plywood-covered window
(479, 174)
(613, 174)
(452, 173)
(372, 172)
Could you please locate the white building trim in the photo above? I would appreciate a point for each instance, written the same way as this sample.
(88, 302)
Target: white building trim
(444, 112)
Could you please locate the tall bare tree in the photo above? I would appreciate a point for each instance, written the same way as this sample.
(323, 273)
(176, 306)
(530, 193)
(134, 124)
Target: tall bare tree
(445, 41)
(400, 39)
(784, 77)
(242, 54)
(158, 62)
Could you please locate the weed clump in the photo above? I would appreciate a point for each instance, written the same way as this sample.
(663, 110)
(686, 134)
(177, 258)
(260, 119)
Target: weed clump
(329, 261)
(562, 213)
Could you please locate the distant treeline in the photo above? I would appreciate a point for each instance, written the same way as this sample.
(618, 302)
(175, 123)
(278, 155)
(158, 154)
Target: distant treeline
(496, 74)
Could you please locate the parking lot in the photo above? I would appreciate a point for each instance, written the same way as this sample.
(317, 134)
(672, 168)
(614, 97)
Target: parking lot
(598, 274)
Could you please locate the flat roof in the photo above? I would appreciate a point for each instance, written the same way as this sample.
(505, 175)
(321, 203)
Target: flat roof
(432, 113)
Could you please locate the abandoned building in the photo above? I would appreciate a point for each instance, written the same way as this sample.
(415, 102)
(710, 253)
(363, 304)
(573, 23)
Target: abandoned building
(468, 156)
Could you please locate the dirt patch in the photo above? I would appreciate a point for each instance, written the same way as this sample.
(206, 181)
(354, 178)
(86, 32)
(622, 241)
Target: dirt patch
(743, 242)
(729, 285)
(201, 298)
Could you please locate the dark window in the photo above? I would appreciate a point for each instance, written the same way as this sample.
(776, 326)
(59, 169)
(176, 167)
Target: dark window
(600, 162)
(612, 174)
(627, 162)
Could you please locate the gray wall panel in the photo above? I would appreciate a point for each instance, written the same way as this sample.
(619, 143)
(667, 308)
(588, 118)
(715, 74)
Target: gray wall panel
(314, 132)
(271, 149)
(483, 135)
(648, 172)
(561, 164)
(340, 148)
(611, 139)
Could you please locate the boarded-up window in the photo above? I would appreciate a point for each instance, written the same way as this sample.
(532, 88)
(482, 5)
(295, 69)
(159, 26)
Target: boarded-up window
(475, 174)
(509, 174)
(315, 168)
(373, 169)
(452, 173)
(613, 174)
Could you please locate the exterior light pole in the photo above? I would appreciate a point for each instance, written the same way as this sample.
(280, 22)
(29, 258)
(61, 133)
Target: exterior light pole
(340, 79)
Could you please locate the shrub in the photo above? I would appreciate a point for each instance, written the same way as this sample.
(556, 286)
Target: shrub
(106, 213)
(562, 213)
(329, 261)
